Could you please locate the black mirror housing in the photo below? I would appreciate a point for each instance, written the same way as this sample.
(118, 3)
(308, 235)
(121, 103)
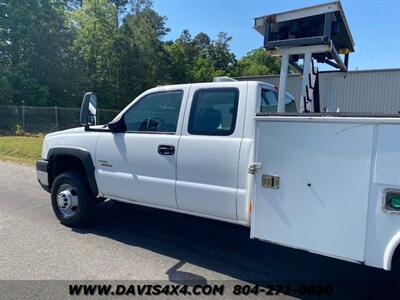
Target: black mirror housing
(117, 125)
(88, 109)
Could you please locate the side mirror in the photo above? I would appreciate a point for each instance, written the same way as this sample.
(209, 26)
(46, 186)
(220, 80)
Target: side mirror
(88, 109)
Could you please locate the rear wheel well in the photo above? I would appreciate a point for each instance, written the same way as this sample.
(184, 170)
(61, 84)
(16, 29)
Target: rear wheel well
(396, 258)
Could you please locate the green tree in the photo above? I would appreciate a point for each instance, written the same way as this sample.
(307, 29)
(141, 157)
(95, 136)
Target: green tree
(199, 58)
(257, 62)
(178, 68)
(203, 70)
(52, 51)
(182, 56)
(94, 24)
(202, 42)
(221, 56)
(143, 57)
(33, 37)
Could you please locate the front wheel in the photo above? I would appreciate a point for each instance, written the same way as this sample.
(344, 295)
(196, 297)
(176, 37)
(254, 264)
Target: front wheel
(72, 200)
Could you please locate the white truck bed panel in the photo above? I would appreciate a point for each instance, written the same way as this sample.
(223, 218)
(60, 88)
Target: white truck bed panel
(387, 170)
(325, 175)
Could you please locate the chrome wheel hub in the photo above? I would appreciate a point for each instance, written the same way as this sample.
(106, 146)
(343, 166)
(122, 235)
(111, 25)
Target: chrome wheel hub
(67, 200)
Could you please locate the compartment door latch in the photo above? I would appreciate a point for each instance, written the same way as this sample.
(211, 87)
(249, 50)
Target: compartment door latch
(270, 181)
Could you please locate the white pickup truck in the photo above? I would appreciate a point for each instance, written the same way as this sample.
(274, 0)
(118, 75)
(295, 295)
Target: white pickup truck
(327, 183)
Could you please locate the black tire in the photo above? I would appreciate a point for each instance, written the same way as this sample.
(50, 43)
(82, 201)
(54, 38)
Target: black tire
(86, 201)
(396, 273)
(120, 203)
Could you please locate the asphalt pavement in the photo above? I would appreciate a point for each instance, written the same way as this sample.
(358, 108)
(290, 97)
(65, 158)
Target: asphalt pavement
(133, 243)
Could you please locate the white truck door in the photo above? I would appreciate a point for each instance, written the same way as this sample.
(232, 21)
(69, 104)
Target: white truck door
(208, 154)
(320, 202)
(140, 164)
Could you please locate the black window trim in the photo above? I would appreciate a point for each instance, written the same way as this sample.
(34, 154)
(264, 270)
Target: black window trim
(234, 119)
(156, 132)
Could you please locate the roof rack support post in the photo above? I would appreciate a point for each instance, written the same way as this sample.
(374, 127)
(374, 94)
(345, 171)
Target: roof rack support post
(329, 98)
(306, 74)
(338, 59)
(266, 33)
(346, 61)
(328, 25)
(282, 82)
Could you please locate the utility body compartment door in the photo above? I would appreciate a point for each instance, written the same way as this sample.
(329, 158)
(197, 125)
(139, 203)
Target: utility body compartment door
(324, 171)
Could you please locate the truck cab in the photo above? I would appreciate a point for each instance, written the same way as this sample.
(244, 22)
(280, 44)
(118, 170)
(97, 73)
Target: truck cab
(176, 147)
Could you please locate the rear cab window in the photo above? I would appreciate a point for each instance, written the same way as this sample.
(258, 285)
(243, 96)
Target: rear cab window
(214, 112)
(269, 102)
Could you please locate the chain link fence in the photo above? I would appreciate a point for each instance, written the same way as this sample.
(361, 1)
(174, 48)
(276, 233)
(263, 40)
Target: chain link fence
(18, 120)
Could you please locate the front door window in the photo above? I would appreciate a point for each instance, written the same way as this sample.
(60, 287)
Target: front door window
(158, 112)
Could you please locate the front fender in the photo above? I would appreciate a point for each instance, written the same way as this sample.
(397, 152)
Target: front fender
(86, 159)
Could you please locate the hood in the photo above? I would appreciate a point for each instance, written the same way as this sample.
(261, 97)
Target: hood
(74, 137)
(67, 131)
(73, 130)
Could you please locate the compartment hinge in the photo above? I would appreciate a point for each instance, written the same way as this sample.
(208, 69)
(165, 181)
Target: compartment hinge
(254, 167)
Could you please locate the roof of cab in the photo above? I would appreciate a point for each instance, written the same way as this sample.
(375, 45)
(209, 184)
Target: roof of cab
(222, 84)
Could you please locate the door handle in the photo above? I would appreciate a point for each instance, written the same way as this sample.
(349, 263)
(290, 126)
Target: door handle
(166, 149)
